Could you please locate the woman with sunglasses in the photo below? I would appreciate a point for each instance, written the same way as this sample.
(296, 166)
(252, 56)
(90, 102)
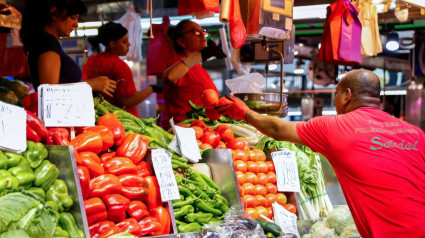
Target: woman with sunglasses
(185, 79)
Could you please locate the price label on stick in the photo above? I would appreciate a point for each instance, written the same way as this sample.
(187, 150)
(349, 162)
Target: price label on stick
(186, 140)
(66, 105)
(161, 160)
(285, 219)
(13, 135)
(286, 167)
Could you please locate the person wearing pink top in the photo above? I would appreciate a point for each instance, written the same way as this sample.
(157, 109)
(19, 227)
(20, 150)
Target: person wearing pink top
(379, 160)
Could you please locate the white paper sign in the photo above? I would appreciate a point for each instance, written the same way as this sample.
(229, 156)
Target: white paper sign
(161, 160)
(175, 146)
(286, 167)
(13, 136)
(186, 139)
(285, 219)
(66, 105)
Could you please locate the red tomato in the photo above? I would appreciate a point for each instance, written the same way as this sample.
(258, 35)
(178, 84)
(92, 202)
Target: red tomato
(262, 167)
(205, 146)
(241, 191)
(281, 199)
(249, 188)
(225, 132)
(182, 125)
(251, 213)
(270, 165)
(270, 210)
(211, 137)
(240, 177)
(199, 123)
(261, 156)
(251, 178)
(271, 177)
(260, 190)
(239, 155)
(263, 211)
(240, 165)
(221, 145)
(290, 207)
(271, 198)
(199, 142)
(207, 129)
(261, 200)
(209, 98)
(252, 156)
(262, 178)
(252, 166)
(212, 114)
(238, 143)
(271, 188)
(198, 132)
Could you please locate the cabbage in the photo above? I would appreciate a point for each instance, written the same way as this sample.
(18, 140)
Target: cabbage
(350, 232)
(307, 236)
(317, 225)
(324, 232)
(339, 218)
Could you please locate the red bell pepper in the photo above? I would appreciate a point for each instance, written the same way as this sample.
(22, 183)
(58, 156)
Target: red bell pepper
(144, 169)
(58, 136)
(134, 147)
(105, 133)
(161, 214)
(84, 175)
(137, 210)
(133, 186)
(107, 156)
(109, 232)
(150, 226)
(104, 184)
(154, 198)
(130, 225)
(92, 162)
(97, 228)
(34, 123)
(117, 206)
(111, 121)
(87, 141)
(32, 135)
(78, 159)
(120, 165)
(30, 103)
(95, 210)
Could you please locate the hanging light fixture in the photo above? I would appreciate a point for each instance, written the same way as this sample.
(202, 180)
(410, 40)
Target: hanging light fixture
(392, 41)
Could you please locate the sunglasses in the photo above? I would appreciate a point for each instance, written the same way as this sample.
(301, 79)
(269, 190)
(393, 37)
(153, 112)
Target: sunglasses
(196, 32)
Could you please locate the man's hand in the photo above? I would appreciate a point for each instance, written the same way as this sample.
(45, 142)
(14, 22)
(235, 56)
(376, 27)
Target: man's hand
(103, 85)
(212, 50)
(234, 108)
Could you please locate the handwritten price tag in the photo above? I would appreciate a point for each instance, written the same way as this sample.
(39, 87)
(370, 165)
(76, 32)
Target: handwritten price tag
(66, 105)
(286, 167)
(12, 128)
(161, 160)
(285, 219)
(187, 142)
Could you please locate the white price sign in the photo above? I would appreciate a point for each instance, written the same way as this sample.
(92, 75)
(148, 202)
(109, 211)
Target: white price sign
(161, 160)
(187, 144)
(285, 219)
(286, 167)
(13, 135)
(66, 105)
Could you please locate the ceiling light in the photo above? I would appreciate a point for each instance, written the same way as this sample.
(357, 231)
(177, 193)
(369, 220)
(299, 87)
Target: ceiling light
(392, 41)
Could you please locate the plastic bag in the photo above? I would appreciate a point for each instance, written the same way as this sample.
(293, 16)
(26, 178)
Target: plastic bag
(198, 8)
(250, 83)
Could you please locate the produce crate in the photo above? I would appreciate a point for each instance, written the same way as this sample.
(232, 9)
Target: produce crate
(63, 157)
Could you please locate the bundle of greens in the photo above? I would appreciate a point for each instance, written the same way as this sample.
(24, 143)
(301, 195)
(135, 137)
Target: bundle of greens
(313, 199)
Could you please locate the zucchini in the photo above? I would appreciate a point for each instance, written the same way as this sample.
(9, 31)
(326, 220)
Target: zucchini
(269, 227)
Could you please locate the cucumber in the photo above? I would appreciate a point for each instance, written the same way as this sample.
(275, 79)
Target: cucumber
(269, 227)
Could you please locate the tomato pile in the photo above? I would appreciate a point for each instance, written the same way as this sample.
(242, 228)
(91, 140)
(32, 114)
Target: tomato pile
(257, 183)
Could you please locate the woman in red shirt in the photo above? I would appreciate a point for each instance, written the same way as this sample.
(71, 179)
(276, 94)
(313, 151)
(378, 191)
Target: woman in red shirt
(185, 79)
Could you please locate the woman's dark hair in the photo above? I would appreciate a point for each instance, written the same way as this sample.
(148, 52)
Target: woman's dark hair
(36, 16)
(175, 33)
(111, 31)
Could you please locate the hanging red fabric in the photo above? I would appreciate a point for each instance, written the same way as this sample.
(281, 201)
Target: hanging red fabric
(236, 27)
(189, 7)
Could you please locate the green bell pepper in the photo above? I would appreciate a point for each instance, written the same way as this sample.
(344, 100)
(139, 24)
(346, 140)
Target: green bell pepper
(67, 222)
(60, 233)
(35, 153)
(199, 217)
(3, 160)
(37, 191)
(45, 175)
(12, 159)
(190, 227)
(23, 173)
(7, 180)
(58, 193)
(180, 212)
(55, 209)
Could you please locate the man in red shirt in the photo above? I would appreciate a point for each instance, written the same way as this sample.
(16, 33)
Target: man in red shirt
(379, 160)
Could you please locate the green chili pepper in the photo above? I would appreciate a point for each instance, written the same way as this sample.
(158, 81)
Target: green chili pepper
(179, 158)
(185, 191)
(191, 227)
(67, 222)
(198, 192)
(195, 176)
(23, 173)
(199, 217)
(218, 204)
(101, 109)
(179, 179)
(12, 159)
(7, 180)
(3, 160)
(60, 233)
(45, 175)
(58, 193)
(210, 183)
(37, 191)
(177, 164)
(180, 223)
(181, 197)
(223, 199)
(35, 153)
(200, 185)
(180, 203)
(179, 213)
(201, 205)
